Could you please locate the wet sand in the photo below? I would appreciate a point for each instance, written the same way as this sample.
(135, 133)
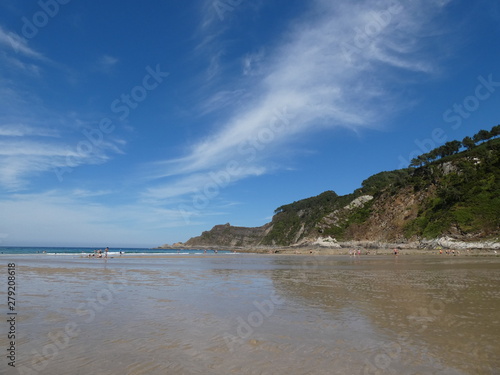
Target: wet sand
(369, 251)
(254, 314)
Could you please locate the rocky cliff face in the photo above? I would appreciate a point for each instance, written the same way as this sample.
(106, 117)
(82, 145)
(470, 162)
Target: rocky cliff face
(456, 199)
(229, 236)
(389, 215)
(385, 222)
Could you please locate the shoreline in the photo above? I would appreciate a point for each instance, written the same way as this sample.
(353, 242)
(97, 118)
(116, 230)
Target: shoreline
(332, 246)
(346, 251)
(372, 252)
(303, 251)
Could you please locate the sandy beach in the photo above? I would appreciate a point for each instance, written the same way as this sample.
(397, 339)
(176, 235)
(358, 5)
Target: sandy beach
(256, 314)
(324, 251)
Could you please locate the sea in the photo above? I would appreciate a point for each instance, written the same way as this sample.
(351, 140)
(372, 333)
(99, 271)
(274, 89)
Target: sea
(85, 251)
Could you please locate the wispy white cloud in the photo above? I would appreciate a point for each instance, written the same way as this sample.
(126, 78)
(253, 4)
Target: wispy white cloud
(21, 130)
(14, 147)
(222, 100)
(309, 74)
(204, 184)
(59, 217)
(35, 138)
(23, 156)
(214, 66)
(25, 67)
(252, 63)
(85, 193)
(18, 44)
(21, 159)
(106, 63)
(108, 60)
(217, 18)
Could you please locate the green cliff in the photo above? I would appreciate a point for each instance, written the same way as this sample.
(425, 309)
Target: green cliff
(452, 191)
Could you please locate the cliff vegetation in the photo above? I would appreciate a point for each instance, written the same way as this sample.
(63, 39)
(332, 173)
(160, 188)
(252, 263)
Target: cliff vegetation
(452, 191)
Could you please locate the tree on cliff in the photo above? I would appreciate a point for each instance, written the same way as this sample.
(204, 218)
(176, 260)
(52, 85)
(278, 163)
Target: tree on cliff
(482, 135)
(468, 142)
(453, 147)
(495, 131)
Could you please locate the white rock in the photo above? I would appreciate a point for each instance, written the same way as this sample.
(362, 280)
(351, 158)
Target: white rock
(326, 242)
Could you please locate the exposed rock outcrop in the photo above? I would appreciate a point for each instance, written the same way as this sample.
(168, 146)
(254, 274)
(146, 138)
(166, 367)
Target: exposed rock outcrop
(229, 236)
(452, 203)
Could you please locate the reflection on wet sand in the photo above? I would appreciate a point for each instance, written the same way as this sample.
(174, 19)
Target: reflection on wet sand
(429, 316)
(260, 315)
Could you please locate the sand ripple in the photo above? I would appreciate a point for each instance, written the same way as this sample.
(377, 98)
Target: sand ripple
(262, 315)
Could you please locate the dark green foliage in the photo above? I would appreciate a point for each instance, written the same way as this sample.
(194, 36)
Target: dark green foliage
(291, 218)
(450, 148)
(495, 131)
(324, 199)
(468, 142)
(461, 196)
(383, 180)
(467, 199)
(451, 193)
(482, 135)
(351, 217)
(453, 147)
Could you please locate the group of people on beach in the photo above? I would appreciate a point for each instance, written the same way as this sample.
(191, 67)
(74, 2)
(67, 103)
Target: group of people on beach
(357, 252)
(98, 253)
(354, 252)
(450, 252)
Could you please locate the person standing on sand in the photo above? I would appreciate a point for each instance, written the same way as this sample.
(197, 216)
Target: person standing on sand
(106, 252)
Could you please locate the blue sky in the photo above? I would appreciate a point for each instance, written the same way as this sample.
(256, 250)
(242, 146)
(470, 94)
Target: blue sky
(137, 124)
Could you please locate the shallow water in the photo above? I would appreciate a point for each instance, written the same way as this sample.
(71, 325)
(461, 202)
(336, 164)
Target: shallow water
(255, 314)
